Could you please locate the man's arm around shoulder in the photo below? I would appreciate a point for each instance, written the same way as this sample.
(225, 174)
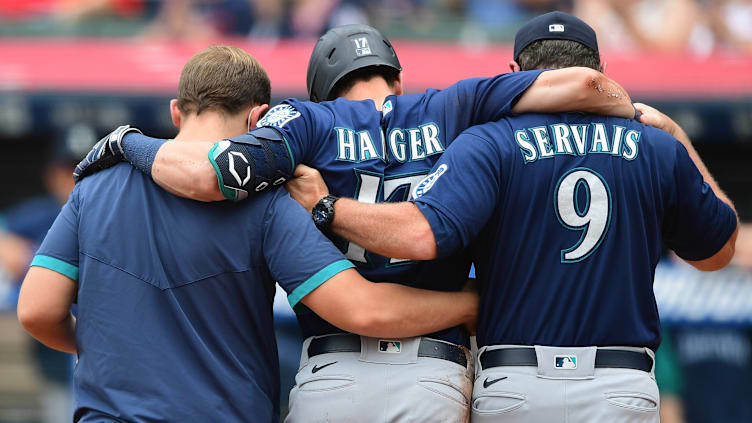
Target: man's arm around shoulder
(340, 295)
(397, 230)
(184, 169)
(655, 118)
(356, 305)
(575, 89)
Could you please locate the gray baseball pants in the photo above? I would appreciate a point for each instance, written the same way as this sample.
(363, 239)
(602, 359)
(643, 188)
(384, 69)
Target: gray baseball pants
(380, 384)
(560, 392)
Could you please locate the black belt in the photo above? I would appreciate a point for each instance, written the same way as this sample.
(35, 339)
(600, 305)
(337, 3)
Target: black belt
(351, 343)
(524, 356)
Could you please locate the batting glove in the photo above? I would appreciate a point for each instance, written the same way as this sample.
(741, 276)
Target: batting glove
(106, 153)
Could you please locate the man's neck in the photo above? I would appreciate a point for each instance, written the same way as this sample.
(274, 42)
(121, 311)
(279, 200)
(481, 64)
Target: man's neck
(209, 126)
(376, 89)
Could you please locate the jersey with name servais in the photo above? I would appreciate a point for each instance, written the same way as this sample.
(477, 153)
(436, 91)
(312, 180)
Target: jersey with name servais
(566, 215)
(374, 156)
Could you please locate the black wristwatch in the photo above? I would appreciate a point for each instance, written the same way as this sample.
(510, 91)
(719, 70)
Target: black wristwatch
(323, 213)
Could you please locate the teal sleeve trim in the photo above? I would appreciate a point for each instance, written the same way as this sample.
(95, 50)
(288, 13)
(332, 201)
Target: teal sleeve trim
(289, 153)
(228, 193)
(59, 266)
(317, 280)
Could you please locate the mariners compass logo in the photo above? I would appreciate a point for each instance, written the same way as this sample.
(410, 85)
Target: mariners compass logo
(278, 116)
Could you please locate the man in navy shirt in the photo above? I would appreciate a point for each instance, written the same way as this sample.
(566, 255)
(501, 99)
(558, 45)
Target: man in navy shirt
(174, 297)
(565, 216)
(374, 149)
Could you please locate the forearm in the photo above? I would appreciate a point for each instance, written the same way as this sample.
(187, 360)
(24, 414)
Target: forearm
(723, 257)
(401, 311)
(397, 230)
(575, 89)
(183, 169)
(352, 303)
(605, 97)
(59, 335)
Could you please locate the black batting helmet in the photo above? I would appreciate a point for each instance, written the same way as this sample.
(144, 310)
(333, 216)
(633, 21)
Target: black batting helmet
(345, 49)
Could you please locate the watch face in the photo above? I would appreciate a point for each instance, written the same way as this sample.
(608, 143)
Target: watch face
(319, 215)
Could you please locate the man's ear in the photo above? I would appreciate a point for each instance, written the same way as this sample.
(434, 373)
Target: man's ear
(257, 112)
(603, 67)
(397, 87)
(175, 113)
(514, 66)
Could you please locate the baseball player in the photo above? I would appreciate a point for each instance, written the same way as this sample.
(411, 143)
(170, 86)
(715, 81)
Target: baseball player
(565, 216)
(374, 150)
(174, 317)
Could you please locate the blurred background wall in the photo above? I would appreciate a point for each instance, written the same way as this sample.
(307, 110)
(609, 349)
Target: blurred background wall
(73, 70)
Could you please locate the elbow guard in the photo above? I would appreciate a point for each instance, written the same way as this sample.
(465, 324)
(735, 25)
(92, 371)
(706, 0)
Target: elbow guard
(251, 163)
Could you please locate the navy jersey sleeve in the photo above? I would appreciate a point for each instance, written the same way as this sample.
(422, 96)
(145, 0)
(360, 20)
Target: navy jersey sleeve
(459, 195)
(698, 222)
(480, 100)
(59, 250)
(302, 124)
(298, 255)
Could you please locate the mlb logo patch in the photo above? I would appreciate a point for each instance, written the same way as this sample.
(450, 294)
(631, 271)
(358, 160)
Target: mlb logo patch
(556, 28)
(361, 46)
(565, 362)
(390, 347)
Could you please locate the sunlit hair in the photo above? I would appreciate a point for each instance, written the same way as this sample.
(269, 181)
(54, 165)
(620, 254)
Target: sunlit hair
(224, 79)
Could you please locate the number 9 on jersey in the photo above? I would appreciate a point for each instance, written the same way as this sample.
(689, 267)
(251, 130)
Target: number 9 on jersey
(592, 218)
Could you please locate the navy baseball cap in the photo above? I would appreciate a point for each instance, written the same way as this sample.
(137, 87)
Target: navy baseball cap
(72, 145)
(554, 26)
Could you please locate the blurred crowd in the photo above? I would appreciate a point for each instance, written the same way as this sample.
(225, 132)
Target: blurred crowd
(704, 366)
(696, 26)
(23, 226)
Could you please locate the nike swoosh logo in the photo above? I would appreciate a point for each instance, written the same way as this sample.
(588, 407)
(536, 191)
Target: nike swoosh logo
(316, 369)
(487, 383)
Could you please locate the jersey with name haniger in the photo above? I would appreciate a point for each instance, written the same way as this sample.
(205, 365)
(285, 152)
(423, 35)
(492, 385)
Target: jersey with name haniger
(566, 216)
(379, 155)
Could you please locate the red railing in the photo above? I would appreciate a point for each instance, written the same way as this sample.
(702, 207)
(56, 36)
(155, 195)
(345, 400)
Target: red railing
(89, 65)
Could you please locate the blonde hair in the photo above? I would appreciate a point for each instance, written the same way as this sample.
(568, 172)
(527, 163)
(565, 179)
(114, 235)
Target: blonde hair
(222, 78)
